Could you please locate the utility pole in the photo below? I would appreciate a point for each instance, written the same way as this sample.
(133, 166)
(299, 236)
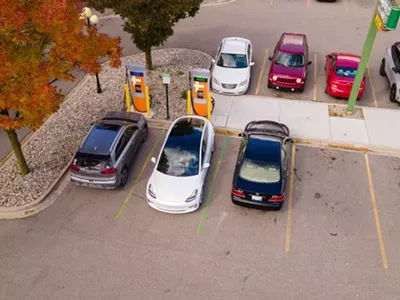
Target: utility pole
(385, 18)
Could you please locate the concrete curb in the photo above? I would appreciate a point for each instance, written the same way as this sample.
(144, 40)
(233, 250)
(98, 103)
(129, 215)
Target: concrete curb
(164, 124)
(36, 206)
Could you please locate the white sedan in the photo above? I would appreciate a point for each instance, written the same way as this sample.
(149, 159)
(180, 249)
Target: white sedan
(232, 66)
(176, 184)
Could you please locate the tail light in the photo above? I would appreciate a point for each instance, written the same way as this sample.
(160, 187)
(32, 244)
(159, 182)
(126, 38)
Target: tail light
(279, 198)
(108, 171)
(74, 168)
(237, 193)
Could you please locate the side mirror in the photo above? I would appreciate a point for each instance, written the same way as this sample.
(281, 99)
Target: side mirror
(153, 160)
(241, 134)
(309, 63)
(206, 166)
(287, 141)
(394, 70)
(270, 58)
(213, 61)
(252, 64)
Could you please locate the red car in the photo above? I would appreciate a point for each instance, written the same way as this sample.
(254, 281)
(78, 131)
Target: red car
(288, 69)
(341, 69)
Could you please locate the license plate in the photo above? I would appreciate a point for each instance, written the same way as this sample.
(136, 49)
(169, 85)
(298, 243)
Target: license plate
(92, 185)
(256, 198)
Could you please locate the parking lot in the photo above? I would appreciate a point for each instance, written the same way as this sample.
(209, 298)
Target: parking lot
(335, 238)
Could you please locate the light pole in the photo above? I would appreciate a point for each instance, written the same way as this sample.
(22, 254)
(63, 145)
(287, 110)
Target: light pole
(92, 19)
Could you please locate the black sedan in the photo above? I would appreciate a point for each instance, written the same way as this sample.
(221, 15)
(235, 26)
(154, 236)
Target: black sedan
(261, 167)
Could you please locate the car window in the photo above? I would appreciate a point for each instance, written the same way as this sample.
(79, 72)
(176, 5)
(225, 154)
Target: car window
(126, 136)
(178, 162)
(231, 60)
(289, 60)
(260, 171)
(249, 52)
(204, 145)
(92, 161)
(396, 56)
(346, 72)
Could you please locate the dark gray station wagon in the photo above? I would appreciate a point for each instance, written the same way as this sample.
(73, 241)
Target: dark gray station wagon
(106, 155)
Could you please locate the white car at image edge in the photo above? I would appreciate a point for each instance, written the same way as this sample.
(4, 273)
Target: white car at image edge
(176, 184)
(232, 66)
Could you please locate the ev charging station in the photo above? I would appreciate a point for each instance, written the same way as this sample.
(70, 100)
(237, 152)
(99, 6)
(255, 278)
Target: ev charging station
(136, 89)
(199, 95)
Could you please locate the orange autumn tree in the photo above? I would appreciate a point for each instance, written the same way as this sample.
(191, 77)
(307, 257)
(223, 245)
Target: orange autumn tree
(42, 40)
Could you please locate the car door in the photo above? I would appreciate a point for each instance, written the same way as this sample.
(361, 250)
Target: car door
(123, 155)
(134, 143)
(205, 153)
(249, 60)
(394, 68)
(330, 67)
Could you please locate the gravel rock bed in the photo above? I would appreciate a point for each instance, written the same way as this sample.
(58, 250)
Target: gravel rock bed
(51, 147)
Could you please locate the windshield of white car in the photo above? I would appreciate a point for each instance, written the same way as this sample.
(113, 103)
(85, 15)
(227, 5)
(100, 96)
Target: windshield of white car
(234, 61)
(346, 72)
(179, 162)
(290, 60)
(260, 171)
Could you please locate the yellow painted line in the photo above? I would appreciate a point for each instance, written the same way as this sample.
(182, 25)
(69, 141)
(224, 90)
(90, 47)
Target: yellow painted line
(262, 72)
(128, 197)
(376, 214)
(271, 3)
(372, 87)
(315, 76)
(290, 200)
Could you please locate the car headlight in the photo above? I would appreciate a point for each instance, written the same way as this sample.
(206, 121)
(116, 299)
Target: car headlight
(298, 80)
(192, 197)
(151, 192)
(216, 81)
(274, 78)
(243, 83)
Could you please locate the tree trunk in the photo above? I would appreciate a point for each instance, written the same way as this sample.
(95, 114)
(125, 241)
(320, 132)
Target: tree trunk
(16, 145)
(149, 60)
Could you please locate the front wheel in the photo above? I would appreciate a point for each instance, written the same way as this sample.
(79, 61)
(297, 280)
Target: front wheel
(392, 96)
(145, 133)
(382, 71)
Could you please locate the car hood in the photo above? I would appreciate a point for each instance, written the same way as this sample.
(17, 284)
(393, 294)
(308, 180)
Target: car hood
(261, 188)
(229, 75)
(174, 189)
(288, 71)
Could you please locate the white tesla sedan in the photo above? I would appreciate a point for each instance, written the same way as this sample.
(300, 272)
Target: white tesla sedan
(176, 184)
(232, 66)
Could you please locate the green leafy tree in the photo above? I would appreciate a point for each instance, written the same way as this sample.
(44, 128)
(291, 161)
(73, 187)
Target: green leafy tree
(41, 40)
(150, 22)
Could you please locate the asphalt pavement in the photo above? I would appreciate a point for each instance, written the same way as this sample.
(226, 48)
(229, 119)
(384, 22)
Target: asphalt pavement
(335, 238)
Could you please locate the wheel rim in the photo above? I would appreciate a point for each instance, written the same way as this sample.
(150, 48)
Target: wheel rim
(124, 177)
(392, 94)
(145, 134)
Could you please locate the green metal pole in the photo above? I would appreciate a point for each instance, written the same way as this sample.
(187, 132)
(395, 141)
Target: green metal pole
(369, 43)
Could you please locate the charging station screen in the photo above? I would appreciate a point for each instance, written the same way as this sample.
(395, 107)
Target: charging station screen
(200, 79)
(200, 94)
(138, 88)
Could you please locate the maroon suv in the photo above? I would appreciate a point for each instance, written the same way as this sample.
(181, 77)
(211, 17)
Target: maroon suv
(289, 63)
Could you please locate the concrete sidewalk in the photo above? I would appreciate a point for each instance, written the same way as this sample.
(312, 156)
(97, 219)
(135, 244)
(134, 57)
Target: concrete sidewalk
(310, 120)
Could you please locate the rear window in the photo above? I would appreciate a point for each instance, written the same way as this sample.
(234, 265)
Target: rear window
(289, 60)
(259, 171)
(91, 161)
(346, 72)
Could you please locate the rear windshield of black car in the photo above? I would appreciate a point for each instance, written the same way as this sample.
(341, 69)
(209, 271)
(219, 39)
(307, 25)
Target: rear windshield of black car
(92, 161)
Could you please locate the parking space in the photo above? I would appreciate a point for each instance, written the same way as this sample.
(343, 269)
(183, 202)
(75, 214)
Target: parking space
(342, 27)
(329, 243)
